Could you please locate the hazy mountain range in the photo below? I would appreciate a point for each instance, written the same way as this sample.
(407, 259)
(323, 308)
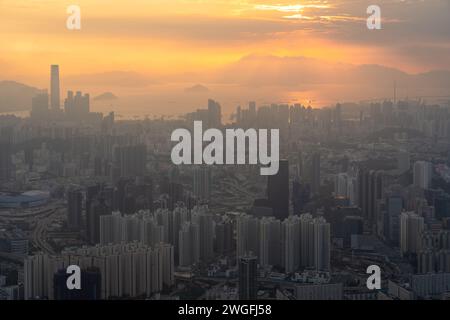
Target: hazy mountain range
(16, 96)
(265, 79)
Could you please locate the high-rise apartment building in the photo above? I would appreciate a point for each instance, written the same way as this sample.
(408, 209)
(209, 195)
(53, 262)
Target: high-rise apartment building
(411, 228)
(248, 281)
(423, 173)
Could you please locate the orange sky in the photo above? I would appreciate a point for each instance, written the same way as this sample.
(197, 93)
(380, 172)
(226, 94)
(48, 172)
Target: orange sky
(178, 40)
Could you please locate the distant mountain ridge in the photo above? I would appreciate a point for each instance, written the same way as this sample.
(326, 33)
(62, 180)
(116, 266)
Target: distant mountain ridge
(105, 96)
(15, 96)
(257, 76)
(198, 88)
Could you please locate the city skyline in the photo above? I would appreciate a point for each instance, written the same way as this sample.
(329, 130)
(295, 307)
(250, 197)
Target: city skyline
(136, 163)
(156, 54)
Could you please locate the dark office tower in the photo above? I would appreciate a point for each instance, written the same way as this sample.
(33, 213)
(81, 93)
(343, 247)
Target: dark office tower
(90, 285)
(6, 151)
(74, 210)
(278, 191)
(248, 284)
(370, 190)
(394, 209)
(108, 195)
(120, 194)
(353, 225)
(54, 87)
(130, 160)
(300, 196)
(97, 209)
(91, 192)
(214, 114)
(315, 173)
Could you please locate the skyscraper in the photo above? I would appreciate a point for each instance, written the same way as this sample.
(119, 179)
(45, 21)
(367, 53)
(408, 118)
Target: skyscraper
(278, 191)
(224, 239)
(189, 244)
(306, 240)
(77, 106)
(411, 228)
(290, 244)
(6, 147)
(130, 160)
(352, 225)
(370, 189)
(270, 245)
(126, 269)
(394, 209)
(202, 183)
(423, 172)
(321, 244)
(214, 114)
(205, 221)
(74, 202)
(247, 235)
(54, 88)
(248, 285)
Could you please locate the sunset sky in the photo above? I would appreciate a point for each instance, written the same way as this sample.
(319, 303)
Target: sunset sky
(143, 44)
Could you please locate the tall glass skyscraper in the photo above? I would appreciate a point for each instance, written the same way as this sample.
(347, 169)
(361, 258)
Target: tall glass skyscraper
(54, 87)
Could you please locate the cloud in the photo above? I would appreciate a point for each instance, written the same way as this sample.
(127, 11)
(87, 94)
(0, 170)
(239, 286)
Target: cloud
(290, 8)
(303, 72)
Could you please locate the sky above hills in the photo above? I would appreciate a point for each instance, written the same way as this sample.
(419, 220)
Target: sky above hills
(162, 47)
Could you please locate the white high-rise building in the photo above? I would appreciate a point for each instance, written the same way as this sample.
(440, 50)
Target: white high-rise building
(205, 220)
(167, 263)
(247, 232)
(189, 244)
(291, 244)
(270, 245)
(306, 240)
(128, 269)
(202, 183)
(314, 242)
(345, 185)
(423, 173)
(142, 226)
(321, 244)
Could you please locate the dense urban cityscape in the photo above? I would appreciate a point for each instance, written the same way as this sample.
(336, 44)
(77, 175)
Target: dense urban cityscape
(358, 185)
